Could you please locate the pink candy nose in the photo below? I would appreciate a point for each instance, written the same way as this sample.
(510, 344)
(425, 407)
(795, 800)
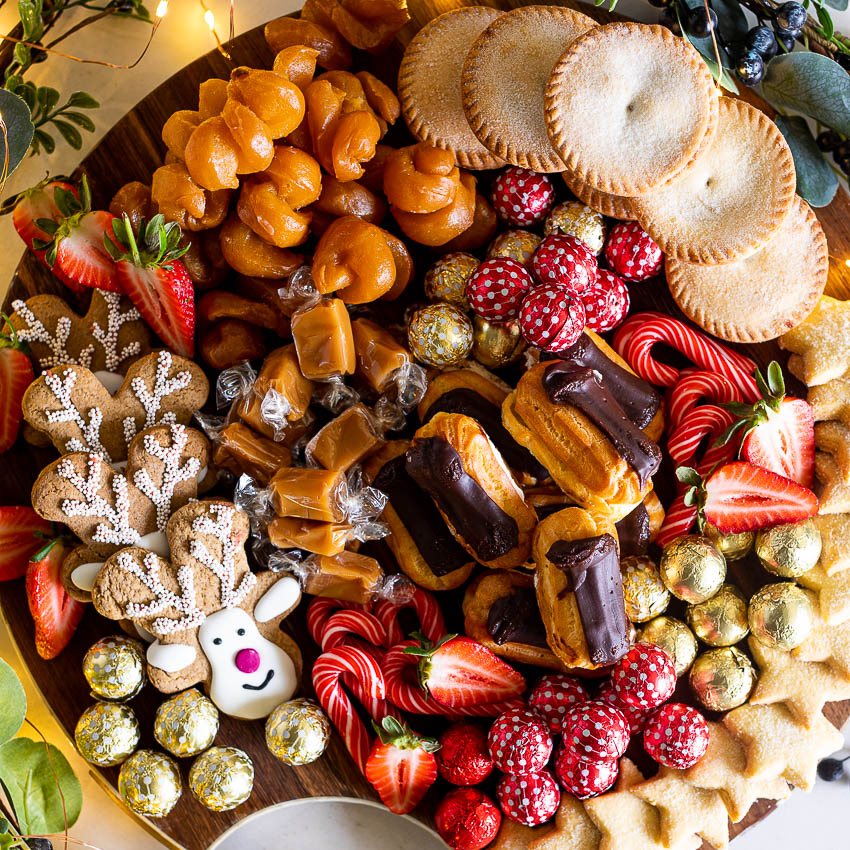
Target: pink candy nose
(248, 660)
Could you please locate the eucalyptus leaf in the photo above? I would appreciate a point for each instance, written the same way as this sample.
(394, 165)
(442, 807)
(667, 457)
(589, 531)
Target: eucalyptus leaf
(811, 84)
(19, 127)
(816, 181)
(840, 5)
(13, 703)
(30, 778)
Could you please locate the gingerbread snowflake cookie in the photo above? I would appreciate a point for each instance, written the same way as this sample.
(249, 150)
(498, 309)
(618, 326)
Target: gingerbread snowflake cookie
(109, 509)
(76, 411)
(214, 620)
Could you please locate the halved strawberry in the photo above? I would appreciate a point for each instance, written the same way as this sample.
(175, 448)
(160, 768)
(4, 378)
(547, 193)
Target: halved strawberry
(401, 766)
(15, 376)
(56, 614)
(778, 432)
(460, 672)
(152, 275)
(74, 248)
(22, 532)
(741, 496)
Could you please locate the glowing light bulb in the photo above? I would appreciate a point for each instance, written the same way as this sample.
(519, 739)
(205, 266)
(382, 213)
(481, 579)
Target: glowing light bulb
(210, 19)
(161, 9)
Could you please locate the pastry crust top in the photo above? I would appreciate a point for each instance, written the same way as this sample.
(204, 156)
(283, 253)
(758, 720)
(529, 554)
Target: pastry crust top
(613, 206)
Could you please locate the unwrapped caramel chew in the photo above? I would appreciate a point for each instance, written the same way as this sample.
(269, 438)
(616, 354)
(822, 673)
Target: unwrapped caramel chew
(324, 341)
(454, 461)
(378, 353)
(240, 450)
(422, 545)
(346, 440)
(323, 538)
(309, 493)
(348, 576)
(579, 588)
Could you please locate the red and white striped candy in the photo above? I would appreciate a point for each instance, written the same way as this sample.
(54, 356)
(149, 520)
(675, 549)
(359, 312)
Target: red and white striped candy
(425, 607)
(321, 609)
(327, 672)
(343, 624)
(695, 386)
(706, 421)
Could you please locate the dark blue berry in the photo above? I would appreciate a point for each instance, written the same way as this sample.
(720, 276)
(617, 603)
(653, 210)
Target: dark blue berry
(698, 21)
(828, 140)
(843, 162)
(790, 16)
(762, 39)
(786, 39)
(831, 769)
(750, 68)
(841, 150)
(668, 19)
(659, 4)
(39, 844)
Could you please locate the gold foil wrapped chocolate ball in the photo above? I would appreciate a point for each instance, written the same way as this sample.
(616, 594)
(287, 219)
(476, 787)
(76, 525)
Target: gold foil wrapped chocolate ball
(440, 335)
(446, 279)
(107, 733)
(722, 619)
(186, 724)
(781, 615)
(519, 245)
(149, 783)
(573, 218)
(674, 637)
(732, 546)
(495, 345)
(222, 778)
(644, 592)
(789, 550)
(114, 667)
(692, 568)
(722, 678)
(297, 732)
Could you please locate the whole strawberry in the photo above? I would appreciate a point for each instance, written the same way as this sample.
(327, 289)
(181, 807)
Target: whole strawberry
(636, 717)
(553, 694)
(522, 197)
(582, 778)
(496, 288)
(463, 758)
(644, 677)
(564, 260)
(519, 741)
(676, 735)
(551, 318)
(596, 731)
(16, 375)
(631, 253)
(529, 798)
(467, 819)
(606, 302)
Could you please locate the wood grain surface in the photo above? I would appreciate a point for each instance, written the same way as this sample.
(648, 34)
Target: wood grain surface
(132, 150)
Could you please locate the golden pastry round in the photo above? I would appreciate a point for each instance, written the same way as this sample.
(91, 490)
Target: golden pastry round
(628, 106)
(764, 295)
(732, 199)
(504, 79)
(614, 206)
(429, 84)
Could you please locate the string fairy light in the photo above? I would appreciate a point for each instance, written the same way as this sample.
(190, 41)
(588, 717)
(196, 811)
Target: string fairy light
(209, 20)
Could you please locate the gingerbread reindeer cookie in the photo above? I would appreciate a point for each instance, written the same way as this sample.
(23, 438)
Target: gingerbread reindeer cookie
(108, 509)
(214, 620)
(78, 414)
(107, 339)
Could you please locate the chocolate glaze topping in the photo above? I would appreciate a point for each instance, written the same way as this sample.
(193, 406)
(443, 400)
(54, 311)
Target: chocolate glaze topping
(592, 569)
(489, 417)
(420, 516)
(437, 468)
(633, 532)
(516, 618)
(637, 398)
(582, 388)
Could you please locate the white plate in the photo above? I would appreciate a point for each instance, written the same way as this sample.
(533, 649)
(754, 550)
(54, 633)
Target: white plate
(343, 823)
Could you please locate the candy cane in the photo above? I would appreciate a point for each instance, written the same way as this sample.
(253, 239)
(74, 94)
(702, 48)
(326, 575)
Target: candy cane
(695, 386)
(340, 626)
(327, 671)
(426, 608)
(707, 420)
(321, 609)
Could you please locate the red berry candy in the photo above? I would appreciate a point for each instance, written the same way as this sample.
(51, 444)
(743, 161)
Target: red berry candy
(467, 819)
(596, 731)
(636, 717)
(676, 735)
(551, 318)
(463, 758)
(529, 798)
(631, 253)
(496, 288)
(522, 197)
(563, 259)
(519, 741)
(581, 778)
(606, 302)
(644, 677)
(553, 695)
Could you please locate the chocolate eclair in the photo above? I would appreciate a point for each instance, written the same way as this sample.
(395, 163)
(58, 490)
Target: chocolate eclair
(637, 530)
(579, 588)
(473, 391)
(500, 611)
(425, 549)
(573, 423)
(454, 461)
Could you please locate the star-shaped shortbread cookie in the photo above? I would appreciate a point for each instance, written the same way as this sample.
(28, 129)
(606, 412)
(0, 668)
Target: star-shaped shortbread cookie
(834, 438)
(833, 492)
(517, 836)
(574, 830)
(833, 593)
(820, 344)
(829, 644)
(835, 542)
(832, 399)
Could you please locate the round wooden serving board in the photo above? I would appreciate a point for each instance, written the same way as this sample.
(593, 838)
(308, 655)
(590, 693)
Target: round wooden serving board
(132, 150)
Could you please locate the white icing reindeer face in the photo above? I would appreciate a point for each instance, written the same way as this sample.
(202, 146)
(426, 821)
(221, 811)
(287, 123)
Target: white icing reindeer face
(250, 675)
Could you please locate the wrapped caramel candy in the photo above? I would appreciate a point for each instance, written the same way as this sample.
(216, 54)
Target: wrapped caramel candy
(309, 494)
(321, 538)
(241, 451)
(346, 440)
(323, 340)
